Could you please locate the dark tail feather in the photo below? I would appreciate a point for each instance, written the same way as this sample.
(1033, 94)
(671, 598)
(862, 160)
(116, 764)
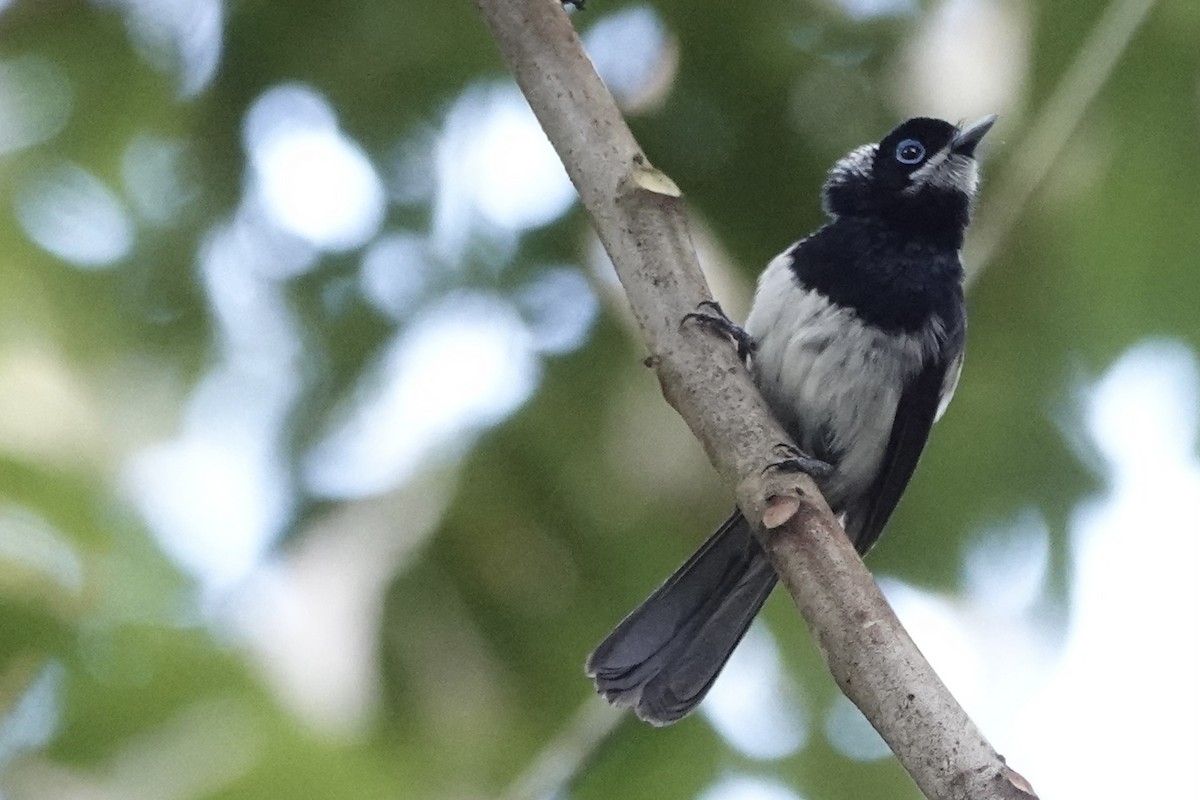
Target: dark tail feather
(664, 656)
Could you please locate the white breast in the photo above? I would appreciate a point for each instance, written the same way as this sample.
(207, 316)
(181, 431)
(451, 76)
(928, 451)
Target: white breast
(830, 376)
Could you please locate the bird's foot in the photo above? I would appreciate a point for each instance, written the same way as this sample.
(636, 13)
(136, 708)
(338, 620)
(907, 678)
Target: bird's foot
(794, 460)
(718, 320)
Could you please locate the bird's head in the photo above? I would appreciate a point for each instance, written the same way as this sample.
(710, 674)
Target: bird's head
(923, 174)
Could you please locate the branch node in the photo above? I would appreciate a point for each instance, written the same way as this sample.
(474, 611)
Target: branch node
(780, 508)
(1018, 782)
(655, 181)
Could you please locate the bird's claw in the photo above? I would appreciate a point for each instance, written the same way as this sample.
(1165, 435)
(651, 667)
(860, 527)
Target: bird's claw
(719, 321)
(795, 460)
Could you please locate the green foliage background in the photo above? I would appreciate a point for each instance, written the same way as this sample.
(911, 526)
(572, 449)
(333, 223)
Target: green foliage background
(552, 525)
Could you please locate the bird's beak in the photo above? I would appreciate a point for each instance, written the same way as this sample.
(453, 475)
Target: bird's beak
(964, 143)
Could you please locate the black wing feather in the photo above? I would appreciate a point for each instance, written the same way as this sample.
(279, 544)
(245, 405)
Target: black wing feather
(915, 414)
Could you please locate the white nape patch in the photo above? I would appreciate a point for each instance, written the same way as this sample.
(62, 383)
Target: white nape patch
(858, 163)
(826, 373)
(855, 167)
(946, 170)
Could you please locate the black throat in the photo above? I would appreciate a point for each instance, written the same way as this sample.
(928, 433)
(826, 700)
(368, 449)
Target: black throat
(892, 275)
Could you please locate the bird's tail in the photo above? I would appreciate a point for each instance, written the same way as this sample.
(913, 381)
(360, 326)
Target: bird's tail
(664, 656)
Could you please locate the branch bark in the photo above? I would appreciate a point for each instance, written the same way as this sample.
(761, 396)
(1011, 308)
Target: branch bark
(639, 215)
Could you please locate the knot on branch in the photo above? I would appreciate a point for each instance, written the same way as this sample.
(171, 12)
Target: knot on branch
(649, 179)
(1018, 782)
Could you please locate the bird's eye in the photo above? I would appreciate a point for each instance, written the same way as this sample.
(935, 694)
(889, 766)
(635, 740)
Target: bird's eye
(910, 151)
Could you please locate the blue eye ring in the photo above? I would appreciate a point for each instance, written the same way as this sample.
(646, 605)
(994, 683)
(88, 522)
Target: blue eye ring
(910, 151)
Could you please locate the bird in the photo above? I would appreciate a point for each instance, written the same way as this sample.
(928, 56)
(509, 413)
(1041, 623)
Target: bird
(855, 338)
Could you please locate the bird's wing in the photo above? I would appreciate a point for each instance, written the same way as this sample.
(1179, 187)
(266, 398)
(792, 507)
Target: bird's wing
(922, 402)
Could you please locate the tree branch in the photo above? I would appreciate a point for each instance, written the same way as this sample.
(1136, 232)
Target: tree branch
(639, 216)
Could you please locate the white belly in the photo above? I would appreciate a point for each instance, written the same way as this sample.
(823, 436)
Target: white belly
(832, 380)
